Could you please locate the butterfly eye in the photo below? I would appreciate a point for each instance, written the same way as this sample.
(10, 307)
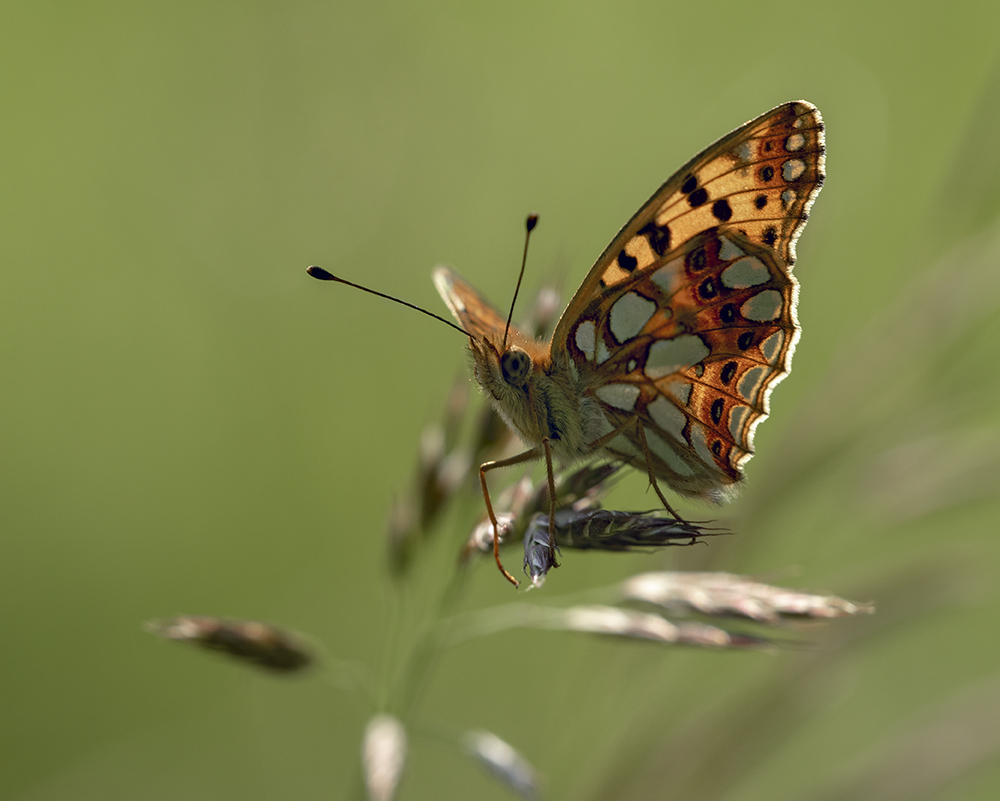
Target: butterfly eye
(515, 364)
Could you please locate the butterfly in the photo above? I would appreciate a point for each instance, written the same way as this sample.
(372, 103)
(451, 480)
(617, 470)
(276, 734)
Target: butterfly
(667, 354)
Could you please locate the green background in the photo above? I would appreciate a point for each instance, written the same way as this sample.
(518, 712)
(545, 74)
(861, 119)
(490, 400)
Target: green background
(188, 424)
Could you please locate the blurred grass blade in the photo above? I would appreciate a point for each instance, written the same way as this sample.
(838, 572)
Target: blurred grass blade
(729, 594)
(503, 761)
(604, 620)
(383, 756)
(249, 641)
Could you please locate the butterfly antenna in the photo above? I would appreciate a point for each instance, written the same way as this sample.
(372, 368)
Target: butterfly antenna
(529, 225)
(322, 275)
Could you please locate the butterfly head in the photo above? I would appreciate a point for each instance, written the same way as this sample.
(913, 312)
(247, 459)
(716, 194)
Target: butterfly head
(508, 368)
(515, 366)
(505, 371)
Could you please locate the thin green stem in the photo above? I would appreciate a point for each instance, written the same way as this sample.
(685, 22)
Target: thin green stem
(427, 650)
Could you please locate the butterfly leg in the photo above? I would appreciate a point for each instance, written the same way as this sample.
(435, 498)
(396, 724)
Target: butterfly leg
(652, 476)
(552, 501)
(521, 458)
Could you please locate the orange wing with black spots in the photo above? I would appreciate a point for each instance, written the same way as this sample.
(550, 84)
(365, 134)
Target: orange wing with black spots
(687, 321)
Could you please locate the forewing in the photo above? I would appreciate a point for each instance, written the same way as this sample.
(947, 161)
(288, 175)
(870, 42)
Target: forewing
(759, 180)
(474, 313)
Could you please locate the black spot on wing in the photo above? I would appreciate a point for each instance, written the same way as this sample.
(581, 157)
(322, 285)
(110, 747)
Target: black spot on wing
(718, 406)
(658, 237)
(697, 260)
(626, 262)
(722, 210)
(698, 198)
(728, 372)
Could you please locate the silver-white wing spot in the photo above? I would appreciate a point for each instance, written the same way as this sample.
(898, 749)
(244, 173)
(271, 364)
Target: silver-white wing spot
(788, 198)
(668, 356)
(751, 382)
(621, 396)
(667, 278)
(771, 346)
(745, 273)
(795, 142)
(728, 251)
(668, 417)
(700, 445)
(736, 418)
(668, 454)
(763, 306)
(680, 391)
(585, 335)
(620, 443)
(792, 169)
(629, 314)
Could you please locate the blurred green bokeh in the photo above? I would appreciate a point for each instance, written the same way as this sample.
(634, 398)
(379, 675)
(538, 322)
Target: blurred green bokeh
(188, 424)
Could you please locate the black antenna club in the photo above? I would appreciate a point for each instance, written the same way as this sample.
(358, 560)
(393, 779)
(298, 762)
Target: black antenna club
(529, 226)
(322, 275)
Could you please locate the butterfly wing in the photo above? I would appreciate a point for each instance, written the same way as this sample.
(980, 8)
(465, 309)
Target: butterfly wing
(687, 320)
(474, 313)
